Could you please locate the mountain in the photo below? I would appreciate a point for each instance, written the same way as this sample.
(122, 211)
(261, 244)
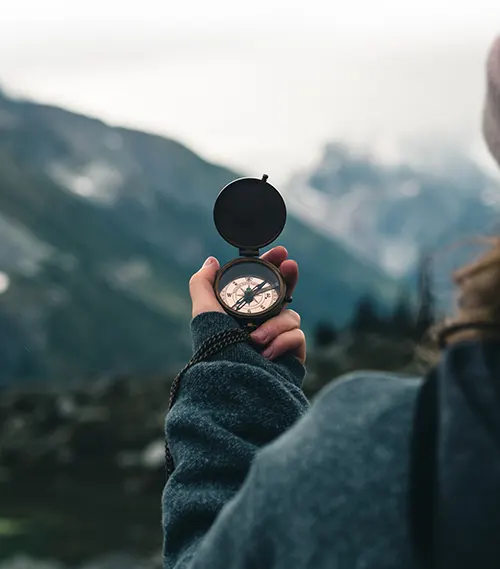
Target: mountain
(390, 212)
(101, 228)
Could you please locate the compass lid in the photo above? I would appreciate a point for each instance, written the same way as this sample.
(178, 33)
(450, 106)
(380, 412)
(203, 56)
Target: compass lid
(249, 213)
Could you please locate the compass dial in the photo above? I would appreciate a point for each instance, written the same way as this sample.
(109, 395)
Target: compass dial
(249, 295)
(250, 290)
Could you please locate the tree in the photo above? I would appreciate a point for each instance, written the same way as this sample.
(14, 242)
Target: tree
(324, 335)
(426, 314)
(402, 320)
(366, 318)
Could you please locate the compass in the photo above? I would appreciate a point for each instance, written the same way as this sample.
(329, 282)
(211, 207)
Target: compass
(249, 214)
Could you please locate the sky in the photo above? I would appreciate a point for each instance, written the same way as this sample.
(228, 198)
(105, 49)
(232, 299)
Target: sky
(260, 86)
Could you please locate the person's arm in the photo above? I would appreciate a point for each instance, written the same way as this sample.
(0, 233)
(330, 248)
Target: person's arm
(226, 410)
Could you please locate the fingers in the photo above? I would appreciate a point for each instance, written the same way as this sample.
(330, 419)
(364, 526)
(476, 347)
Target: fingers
(201, 284)
(290, 271)
(201, 288)
(282, 334)
(285, 321)
(275, 256)
(288, 268)
(293, 341)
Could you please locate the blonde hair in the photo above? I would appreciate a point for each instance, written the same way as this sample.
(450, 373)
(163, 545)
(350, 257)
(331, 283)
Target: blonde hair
(478, 310)
(478, 306)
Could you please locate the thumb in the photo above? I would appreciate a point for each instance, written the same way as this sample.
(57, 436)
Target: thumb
(201, 288)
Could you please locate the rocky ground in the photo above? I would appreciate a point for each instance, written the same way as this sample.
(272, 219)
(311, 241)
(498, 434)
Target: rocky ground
(114, 424)
(82, 469)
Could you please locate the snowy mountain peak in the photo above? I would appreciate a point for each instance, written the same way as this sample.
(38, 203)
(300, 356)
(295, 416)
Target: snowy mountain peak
(388, 209)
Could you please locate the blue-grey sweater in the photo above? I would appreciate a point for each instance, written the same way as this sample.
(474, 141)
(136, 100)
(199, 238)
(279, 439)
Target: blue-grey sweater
(377, 474)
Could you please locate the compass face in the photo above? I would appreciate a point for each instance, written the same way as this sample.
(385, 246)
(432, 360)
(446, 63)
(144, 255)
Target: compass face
(250, 288)
(249, 295)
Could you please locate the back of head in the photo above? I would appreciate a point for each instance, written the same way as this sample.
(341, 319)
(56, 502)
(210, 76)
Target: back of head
(461, 523)
(479, 283)
(491, 115)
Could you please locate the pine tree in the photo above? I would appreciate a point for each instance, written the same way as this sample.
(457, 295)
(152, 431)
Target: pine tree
(426, 315)
(402, 320)
(366, 318)
(324, 335)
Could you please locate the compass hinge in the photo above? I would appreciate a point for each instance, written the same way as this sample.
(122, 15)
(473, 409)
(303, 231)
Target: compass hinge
(249, 252)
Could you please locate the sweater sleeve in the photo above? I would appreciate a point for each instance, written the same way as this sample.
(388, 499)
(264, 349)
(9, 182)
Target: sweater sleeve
(226, 410)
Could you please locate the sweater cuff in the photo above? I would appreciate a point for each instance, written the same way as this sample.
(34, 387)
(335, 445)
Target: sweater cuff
(205, 325)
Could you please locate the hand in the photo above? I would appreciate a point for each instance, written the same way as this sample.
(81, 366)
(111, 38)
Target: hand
(280, 335)
(201, 285)
(283, 332)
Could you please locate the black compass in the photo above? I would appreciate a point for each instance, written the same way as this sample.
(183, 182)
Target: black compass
(250, 213)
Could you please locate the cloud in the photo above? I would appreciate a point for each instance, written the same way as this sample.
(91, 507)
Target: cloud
(252, 84)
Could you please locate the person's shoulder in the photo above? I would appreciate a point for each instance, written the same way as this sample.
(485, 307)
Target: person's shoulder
(371, 393)
(367, 414)
(344, 466)
(347, 458)
(369, 408)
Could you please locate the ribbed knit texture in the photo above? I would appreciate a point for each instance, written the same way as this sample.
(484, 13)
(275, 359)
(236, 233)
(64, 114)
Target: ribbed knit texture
(263, 482)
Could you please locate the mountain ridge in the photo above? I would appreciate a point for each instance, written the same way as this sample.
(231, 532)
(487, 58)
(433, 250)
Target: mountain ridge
(389, 212)
(114, 222)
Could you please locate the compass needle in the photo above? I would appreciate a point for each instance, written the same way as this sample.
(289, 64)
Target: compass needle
(271, 287)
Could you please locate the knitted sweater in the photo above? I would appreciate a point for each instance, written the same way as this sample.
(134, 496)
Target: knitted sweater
(362, 479)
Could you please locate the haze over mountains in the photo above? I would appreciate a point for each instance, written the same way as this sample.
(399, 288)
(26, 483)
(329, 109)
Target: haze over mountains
(101, 228)
(424, 198)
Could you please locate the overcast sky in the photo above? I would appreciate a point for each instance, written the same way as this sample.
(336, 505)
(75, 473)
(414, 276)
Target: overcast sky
(257, 85)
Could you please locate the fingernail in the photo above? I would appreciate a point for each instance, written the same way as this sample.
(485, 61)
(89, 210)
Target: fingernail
(267, 353)
(259, 335)
(208, 262)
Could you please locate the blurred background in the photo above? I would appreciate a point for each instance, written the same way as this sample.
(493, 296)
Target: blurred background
(119, 124)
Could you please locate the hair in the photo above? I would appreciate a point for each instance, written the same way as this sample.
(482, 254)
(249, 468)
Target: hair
(478, 306)
(478, 303)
